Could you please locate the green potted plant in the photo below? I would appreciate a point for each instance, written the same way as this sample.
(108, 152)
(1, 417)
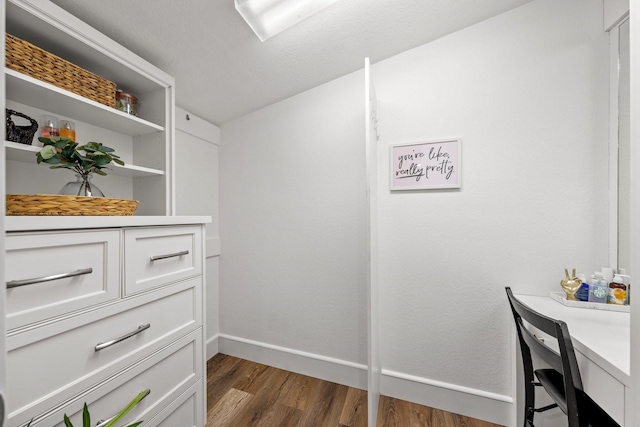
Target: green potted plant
(64, 153)
(86, 417)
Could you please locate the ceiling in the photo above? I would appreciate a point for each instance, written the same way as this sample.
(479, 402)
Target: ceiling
(223, 71)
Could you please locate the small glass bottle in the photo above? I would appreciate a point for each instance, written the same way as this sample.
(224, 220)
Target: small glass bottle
(49, 127)
(68, 129)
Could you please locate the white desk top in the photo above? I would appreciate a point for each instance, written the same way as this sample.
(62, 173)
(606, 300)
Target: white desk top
(602, 336)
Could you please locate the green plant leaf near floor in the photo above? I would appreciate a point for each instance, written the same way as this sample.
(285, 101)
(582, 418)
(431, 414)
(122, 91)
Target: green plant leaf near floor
(86, 417)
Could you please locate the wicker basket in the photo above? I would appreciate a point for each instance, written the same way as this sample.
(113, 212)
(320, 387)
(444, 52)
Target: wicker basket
(28, 59)
(20, 134)
(56, 205)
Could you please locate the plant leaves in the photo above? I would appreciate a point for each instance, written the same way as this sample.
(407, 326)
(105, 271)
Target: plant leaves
(118, 161)
(67, 421)
(68, 155)
(128, 408)
(53, 161)
(67, 152)
(86, 418)
(135, 424)
(101, 161)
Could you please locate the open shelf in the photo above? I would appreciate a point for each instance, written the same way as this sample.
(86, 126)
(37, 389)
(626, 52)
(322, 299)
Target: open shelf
(27, 154)
(146, 139)
(27, 90)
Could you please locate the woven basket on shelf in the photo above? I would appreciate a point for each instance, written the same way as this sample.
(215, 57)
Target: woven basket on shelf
(57, 205)
(28, 59)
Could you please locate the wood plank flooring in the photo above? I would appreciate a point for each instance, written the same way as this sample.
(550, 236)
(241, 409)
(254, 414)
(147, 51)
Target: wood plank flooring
(246, 394)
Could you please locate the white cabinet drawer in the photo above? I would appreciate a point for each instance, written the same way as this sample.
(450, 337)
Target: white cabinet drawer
(167, 374)
(47, 365)
(33, 261)
(157, 256)
(186, 411)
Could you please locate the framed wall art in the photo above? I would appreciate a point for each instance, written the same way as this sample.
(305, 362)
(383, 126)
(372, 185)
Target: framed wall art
(428, 165)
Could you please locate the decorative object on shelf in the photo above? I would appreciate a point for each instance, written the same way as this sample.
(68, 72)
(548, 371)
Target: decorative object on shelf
(49, 127)
(21, 134)
(26, 58)
(127, 103)
(58, 205)
(62, 152)
(68, 129)
(570, 285)
(82, 186)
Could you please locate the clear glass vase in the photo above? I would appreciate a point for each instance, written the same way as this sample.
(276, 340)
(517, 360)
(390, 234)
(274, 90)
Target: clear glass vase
(82, 186)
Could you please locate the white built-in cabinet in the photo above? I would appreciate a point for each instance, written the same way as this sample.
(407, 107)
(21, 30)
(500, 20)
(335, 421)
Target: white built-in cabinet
(2, 296)
(145, 142)
(99, 315)
(99, 309)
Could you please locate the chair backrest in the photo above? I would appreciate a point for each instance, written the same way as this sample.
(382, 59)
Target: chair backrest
(564, 362)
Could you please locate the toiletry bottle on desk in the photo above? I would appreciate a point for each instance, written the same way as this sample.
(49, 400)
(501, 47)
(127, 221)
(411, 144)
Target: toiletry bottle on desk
(583, 291)
(626, 279)
(598, 289)
(617, 291)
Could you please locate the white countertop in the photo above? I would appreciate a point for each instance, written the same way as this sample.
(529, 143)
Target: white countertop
(602, 336)
(34, 223)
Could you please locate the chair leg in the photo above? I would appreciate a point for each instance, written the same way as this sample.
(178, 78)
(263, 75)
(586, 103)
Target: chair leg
(546, 408)
(529, 403)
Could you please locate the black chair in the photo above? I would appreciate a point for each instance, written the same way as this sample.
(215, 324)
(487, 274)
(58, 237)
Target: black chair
(562, 381)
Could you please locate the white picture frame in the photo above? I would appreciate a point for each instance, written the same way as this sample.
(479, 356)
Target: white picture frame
(426, 165)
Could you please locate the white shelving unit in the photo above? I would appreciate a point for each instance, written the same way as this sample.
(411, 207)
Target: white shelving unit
(145, 143)
(27, 154)
(117, 284)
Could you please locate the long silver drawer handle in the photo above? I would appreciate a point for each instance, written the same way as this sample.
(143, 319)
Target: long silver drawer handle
(157, 257)
(103, 345)
(102, 423)
(17, 283)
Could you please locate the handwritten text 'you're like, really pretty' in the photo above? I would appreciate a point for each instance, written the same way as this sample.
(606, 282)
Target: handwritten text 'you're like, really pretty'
(409, 165)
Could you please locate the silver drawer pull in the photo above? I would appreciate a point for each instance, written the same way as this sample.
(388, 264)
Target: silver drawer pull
(17, 283)
(102, 423)
(104, 345)
(157, 257)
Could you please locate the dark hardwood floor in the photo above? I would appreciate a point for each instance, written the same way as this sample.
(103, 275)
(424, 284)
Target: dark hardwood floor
(247, 394)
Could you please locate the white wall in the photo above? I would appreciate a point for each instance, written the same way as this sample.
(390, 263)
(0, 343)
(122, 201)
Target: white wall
(292, 208)
(196, 174)
(527, 93)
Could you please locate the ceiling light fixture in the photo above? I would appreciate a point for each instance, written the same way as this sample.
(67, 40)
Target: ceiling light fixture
(270, 17)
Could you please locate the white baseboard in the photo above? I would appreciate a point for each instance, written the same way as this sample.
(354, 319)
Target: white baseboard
(465, 401)
(212, 346)
(310, 364)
